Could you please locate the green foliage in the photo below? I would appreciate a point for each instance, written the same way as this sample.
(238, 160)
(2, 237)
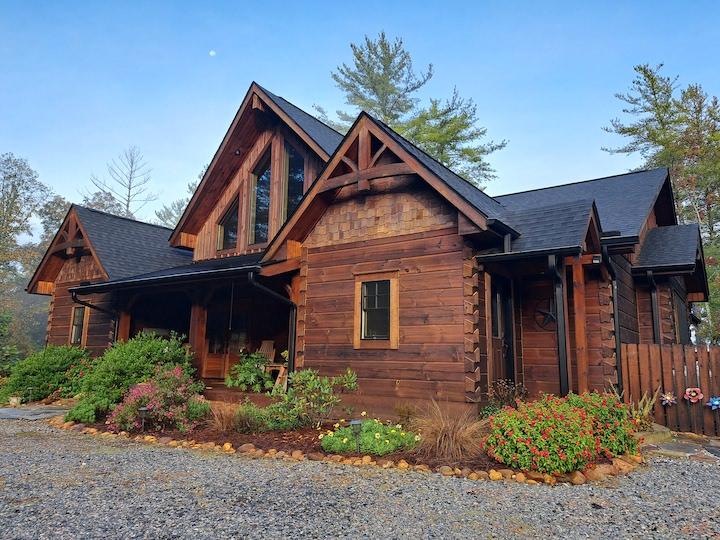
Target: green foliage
(42, 373)
(612, 425)
(171, 398)
(548, 435)
(381, 80)
(249, 374)
(376, 438)
(9, 353)
(679, 128)
(122, 366)
(75, 375)
(311, 397)
(275, 417)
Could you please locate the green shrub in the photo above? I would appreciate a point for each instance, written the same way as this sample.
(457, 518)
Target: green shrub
(612, 426)
(43, 373)
(548, 435)
(75, 375)
(275, 417)
(310, 397)
(123, 365)
(172, 400)
(376, 438)
(249, 374)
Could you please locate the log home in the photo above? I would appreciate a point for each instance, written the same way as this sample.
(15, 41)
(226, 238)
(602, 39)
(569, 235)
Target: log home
(362, 251)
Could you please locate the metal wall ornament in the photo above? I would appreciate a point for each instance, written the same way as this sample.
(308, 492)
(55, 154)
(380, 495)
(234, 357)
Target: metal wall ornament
(693, 395)
(668, 399)
(714, 403)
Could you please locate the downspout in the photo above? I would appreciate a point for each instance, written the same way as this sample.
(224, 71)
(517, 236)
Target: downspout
(76, 300)
(554, 270)
(292, 319)
(616, 317)
(654, 307)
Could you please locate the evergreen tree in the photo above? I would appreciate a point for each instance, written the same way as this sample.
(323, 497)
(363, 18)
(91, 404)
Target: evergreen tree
(381, 80)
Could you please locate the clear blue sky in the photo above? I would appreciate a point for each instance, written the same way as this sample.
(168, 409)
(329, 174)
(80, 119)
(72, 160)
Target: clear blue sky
(80, 82)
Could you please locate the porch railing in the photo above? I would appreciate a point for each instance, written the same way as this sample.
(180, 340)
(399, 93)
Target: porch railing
(675, 368)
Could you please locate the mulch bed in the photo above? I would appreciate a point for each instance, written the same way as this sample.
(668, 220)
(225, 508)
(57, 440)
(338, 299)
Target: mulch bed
(307, 441)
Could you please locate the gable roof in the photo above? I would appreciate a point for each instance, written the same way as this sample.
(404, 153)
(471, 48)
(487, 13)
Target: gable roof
(196, 271)
(558, 228)
(623, 201)
(675, 246)
(483, 202)
(321, 133)
(125, 246)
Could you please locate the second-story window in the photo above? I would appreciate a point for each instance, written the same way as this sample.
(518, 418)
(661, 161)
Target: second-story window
(228, 228)
(260, 214)
(295, 179)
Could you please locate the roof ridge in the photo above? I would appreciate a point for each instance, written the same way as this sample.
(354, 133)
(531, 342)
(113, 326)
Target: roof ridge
(109, 214)
(576, 182)
(274, 95)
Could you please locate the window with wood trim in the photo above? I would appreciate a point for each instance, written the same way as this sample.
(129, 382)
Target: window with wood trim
(227, 229)
(376, 320)
(77, 326)
(294, 176)
(260, 201)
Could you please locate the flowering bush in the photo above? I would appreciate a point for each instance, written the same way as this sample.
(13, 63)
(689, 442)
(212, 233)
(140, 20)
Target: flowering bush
(548, 435)
(172, 400)
(376, 438)
(75, 374)
(43, 373)
(612, 426)
(123, 365)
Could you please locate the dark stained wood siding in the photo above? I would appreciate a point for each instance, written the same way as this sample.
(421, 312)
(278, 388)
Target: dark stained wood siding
(100, 325)
(627, 301)
(429, 362)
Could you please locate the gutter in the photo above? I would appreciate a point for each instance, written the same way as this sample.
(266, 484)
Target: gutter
(504, 256)
(76, 300)
(616, 317)
(555, 268)
(172, 278)
(292, 323)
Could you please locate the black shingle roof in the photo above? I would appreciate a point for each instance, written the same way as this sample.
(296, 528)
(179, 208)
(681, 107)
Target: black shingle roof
(187, 272)
(673, 246)
(322, 134)
(127, 247)
(623, 201)
(559, 227)
(483, 202)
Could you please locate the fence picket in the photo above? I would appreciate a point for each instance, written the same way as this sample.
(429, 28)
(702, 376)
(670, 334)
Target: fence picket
(705, 384)
(668, 385)
(654, 376)
(683, 407)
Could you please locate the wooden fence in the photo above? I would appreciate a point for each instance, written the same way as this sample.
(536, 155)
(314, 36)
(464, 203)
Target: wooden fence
(674, 368)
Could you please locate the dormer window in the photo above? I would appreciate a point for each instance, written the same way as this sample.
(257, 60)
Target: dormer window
(227, 234)
(260, 211)
(294, 180)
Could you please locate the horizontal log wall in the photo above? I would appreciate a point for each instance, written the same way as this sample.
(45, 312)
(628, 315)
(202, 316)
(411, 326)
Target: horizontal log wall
(627, 301)
(430, 361)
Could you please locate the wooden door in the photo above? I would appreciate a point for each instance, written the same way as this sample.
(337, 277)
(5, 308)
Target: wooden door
(502, 329)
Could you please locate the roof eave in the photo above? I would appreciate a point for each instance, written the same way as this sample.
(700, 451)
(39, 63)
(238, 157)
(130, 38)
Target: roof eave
(509, 255)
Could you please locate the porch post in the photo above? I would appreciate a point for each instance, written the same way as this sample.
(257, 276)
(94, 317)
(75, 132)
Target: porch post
(581, 353)
(196, 335)
(557, 272)
(123, 326)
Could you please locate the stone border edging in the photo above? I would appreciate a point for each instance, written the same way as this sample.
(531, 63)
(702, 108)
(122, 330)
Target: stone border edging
(597, 473)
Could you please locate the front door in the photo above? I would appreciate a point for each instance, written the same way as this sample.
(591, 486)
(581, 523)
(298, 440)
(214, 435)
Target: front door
(502, 329)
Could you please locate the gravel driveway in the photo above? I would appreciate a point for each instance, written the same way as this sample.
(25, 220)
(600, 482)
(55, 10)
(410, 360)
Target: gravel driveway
(57, 484)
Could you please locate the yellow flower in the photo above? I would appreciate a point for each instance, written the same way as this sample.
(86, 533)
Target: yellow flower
(377, 435)
(392, 431)
(342, 420)
(329, 433)
(417, 437)
(402, 434)
(320, 436)
(363, 413)
(336, 426)
(344, 440)
(388, 442)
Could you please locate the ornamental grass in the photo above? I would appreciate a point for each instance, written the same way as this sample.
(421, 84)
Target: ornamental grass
(448, 436)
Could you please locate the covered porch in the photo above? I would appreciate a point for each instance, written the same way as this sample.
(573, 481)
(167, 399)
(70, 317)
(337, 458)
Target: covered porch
(223, 307)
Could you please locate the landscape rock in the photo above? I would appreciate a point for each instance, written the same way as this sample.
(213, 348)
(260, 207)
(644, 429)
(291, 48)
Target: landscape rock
(247, 447)
(577, 478)
(446, 471)
(594, 475)
(316, 456)
(495, 475)
(520, 477)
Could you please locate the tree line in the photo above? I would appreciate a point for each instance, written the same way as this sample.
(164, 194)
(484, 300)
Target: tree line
(663, 123)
